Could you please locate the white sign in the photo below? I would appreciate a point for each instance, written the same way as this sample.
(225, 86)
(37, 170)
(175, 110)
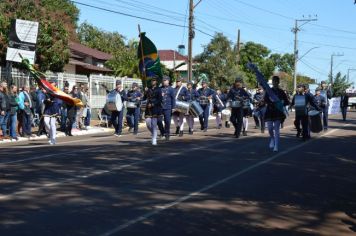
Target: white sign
(22, 40)
(334, 107)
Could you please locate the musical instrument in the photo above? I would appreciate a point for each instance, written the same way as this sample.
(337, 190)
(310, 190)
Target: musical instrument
(300, 105)
(235, 104)
(114, 102)
(195, 109)
(219, 100)
(246, 104)
(316, 125)
(182, 107)
(226, 114)
(131, 104)
(228, 104)
(143, 105)
(203, 100)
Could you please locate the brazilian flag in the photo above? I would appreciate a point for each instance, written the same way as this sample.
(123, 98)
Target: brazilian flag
(151, 64)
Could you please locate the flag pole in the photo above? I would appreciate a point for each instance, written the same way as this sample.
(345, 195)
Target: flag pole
(143, 74)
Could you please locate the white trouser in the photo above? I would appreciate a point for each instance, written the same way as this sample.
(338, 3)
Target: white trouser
(179, 121)
(245, 123)
(273, 130)
(151, 124)
(50, 124)
(190, 121)
(218, 118)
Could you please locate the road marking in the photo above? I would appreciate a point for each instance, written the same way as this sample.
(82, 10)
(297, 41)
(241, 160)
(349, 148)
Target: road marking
(208, 187)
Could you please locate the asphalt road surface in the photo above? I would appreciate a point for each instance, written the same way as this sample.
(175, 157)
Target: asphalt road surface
(202, 184)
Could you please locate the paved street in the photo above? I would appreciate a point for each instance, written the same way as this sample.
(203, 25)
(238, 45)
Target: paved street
(205, 184)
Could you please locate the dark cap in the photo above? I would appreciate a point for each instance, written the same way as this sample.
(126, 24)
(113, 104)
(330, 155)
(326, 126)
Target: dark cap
(179, 79)
(134, 84)
(323, 82)
(238, 80)
(190, 83)
(166, 78)
(118, 82)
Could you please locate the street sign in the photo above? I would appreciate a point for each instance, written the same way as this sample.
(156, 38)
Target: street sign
(22, 40)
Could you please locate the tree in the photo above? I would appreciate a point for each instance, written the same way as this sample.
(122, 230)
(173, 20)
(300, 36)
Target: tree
(93, 37)
(218, 61)
(340, 84)
(57, 20)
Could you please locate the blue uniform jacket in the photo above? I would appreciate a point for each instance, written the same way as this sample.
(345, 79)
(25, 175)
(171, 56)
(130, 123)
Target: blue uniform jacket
(206, 92)
(191, 95)
(182, 94)
(236, 93)
(168, 99)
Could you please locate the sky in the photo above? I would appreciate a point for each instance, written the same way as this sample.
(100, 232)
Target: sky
(268, 22)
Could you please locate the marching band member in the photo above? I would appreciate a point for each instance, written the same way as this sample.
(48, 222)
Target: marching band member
(273, 115)
(205, 94)
(236, 95)
(191, 95)
(259, 109)
(246, 112)
(168, 103)
(178, 117)
(227, 122)
(51, 111)
(133, 114)
(117, 116)
(326, 93)
(153, 112)
(301, 101)
(219, 100)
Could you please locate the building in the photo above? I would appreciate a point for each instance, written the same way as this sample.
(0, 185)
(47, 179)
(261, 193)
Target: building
(172, 58)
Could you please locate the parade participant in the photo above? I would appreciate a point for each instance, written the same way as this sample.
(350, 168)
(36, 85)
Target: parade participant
(178, 117)
(247, 112)
(227, 122)
(191, 95)
(259, 109)
(14, 106)
(236, 96)
(205, 94)
(320, 101)
(117, 116)
(301, 101)
(344, 103)
(219, 101)
(64, 111)
(326, 93)
(153, 111)
(273, 115)
(41, 124)
(133, 111)
(168, 103)
(25, 104)
(51, 111)
(71, 112)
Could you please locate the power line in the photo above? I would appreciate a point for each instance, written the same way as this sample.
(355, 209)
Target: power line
(313, 67)
(138, 17)
(328, 45)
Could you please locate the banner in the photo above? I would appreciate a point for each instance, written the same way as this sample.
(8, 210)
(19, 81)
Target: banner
(334, 107)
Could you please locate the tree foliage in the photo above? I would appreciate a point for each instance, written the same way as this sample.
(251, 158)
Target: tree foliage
(218, 61)
(57, 20)
(340, 84)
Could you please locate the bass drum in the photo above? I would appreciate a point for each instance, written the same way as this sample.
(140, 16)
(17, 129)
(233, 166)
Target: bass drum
(226, 114)
(182, 107)
(114, 102)
(316, 125)
(195, 109)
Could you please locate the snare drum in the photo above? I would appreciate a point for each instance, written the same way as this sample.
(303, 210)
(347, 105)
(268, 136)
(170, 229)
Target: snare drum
(226, 114)
(236, 104)
(203, 100)
(131, 105)
(114, 102)
(246, 104)
(182, 107)
(195, 109)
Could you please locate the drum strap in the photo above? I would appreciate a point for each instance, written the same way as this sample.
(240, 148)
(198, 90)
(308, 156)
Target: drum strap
(180, 89)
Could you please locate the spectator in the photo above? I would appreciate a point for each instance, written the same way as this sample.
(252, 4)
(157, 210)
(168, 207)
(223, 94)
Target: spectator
(4, 109)
(344, 103)
(86, 111)
(25, 104)
(64, 111)
(75, 94)
(33, 95)
(14, 106)
(71, 112)
(41, 106)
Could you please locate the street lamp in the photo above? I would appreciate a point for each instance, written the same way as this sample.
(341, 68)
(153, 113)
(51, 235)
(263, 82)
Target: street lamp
(331, 65)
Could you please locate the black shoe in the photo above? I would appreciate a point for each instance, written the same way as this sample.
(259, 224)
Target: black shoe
(282, 125)
(180, 133)
(167, 137)
(205, 130)
(298, 134)
(262, 131)
(220, 125)
(177, 130)
(191, 132)
(226, 124)
(135, 132)
(70, 134)
(244, 133)
(201, 127)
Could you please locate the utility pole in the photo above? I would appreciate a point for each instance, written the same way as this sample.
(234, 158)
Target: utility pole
(238, 46)
(332, 65)
(190, 40)
(295, 31)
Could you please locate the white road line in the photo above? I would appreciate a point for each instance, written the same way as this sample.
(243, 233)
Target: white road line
(208, 187)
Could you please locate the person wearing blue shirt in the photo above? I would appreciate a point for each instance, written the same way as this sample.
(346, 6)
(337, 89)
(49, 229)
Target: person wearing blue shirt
(178, 117)
(326, 93)
(25, 105)
(133, 113)
(168, 103)
(219, 101)
(236, 95)
(191, 95)
(205, 95)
